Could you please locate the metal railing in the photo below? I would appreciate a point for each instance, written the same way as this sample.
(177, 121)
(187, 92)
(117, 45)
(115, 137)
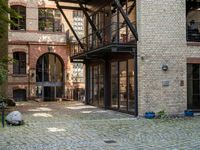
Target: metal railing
(114, 33)
(193, 31)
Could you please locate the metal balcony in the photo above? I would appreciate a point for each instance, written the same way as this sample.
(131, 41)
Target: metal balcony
(116, 34)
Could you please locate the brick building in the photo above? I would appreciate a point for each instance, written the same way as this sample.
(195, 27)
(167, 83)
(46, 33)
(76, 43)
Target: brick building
(40, 46)
(140, 55)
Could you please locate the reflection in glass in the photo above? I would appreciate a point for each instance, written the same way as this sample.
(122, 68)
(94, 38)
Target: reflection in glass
(49, 77)
(131, 85)
(96, 84)
(114, 85)
(123, 85)
(49, 68)
(101, 85)
(91, 85)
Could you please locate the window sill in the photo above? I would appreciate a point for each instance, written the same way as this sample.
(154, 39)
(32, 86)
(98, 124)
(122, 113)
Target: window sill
(37, 31)
(49, 32)
(19, 75)
(193, 43)
(17, 30)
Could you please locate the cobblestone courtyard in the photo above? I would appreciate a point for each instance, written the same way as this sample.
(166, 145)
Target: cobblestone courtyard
(74, 126)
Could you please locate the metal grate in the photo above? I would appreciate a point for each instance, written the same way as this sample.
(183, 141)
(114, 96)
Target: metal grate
(110, 141)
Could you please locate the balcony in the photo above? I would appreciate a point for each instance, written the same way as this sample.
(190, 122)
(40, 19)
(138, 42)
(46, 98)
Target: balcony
(193, 33)
(115, 34)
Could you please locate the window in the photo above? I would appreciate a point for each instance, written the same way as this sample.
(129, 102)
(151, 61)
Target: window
(97, 85)
(19, 65)
(50, 20)
(122, 85)
(20, 23)
(77, 74)
(193, 21)
(78, 23)
(19, 95)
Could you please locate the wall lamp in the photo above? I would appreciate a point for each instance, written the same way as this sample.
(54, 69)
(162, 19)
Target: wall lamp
(165, 67)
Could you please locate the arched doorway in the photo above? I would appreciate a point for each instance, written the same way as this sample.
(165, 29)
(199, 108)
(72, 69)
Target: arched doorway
(50, 77)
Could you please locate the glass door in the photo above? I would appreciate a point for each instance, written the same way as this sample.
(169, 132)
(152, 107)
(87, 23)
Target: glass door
(49, 93)
(193, 86)
(123, 85)
(114, 85)
(49, 77)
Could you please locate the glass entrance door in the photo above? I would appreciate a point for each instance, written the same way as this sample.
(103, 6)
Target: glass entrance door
(193, 86)
(49, 77)
(49, 93)
(122, 85)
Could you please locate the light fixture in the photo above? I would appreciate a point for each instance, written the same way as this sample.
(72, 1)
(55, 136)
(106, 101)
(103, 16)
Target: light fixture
(165, 67)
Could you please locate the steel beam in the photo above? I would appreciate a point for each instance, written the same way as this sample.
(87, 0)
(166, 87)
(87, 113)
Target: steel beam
(70, 1)
(126, 19)
(70, 26)
(70, 7)
(90, 21)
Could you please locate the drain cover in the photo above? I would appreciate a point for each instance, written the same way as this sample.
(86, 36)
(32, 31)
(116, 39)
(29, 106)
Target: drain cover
(110, 141)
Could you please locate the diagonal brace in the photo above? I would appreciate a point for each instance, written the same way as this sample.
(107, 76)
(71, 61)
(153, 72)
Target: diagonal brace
(126, 19)
(70, 26)
(90, 21)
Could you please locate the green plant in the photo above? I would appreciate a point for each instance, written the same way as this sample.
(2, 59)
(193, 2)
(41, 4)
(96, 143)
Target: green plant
(162, 114)
(4, 11)
(3, 68)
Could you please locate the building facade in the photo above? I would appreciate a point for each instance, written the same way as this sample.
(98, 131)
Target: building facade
(141, 56)
(40, 44)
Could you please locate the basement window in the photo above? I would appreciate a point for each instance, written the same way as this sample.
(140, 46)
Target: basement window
(19, 95)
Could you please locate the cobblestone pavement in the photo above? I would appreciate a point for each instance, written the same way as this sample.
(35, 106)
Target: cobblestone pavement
(74, 126)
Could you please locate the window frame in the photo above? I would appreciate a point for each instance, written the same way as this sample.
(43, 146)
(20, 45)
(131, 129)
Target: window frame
(20, 22)
(19, 62)
(53, 19)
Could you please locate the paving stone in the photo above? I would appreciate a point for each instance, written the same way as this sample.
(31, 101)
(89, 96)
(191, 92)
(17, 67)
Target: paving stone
(64, 128)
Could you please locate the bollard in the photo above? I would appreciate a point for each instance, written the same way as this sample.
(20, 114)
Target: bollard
(2, 113)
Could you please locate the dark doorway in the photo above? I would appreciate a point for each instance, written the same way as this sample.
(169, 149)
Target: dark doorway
(193, 86)
(49, 77)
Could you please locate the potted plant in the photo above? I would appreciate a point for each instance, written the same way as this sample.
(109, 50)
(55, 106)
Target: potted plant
(188, 113)
(149, 115)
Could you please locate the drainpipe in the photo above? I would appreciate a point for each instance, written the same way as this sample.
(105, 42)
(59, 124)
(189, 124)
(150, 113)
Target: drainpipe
(29, 82)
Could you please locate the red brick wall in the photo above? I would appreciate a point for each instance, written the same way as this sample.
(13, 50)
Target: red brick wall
(38, 50)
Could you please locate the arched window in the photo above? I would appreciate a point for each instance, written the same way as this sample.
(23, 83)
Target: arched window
(20, 23)
(19, 95)
(19, 64)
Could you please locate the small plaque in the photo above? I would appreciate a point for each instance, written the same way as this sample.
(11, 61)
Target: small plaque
(182, 83)
(165, 83)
